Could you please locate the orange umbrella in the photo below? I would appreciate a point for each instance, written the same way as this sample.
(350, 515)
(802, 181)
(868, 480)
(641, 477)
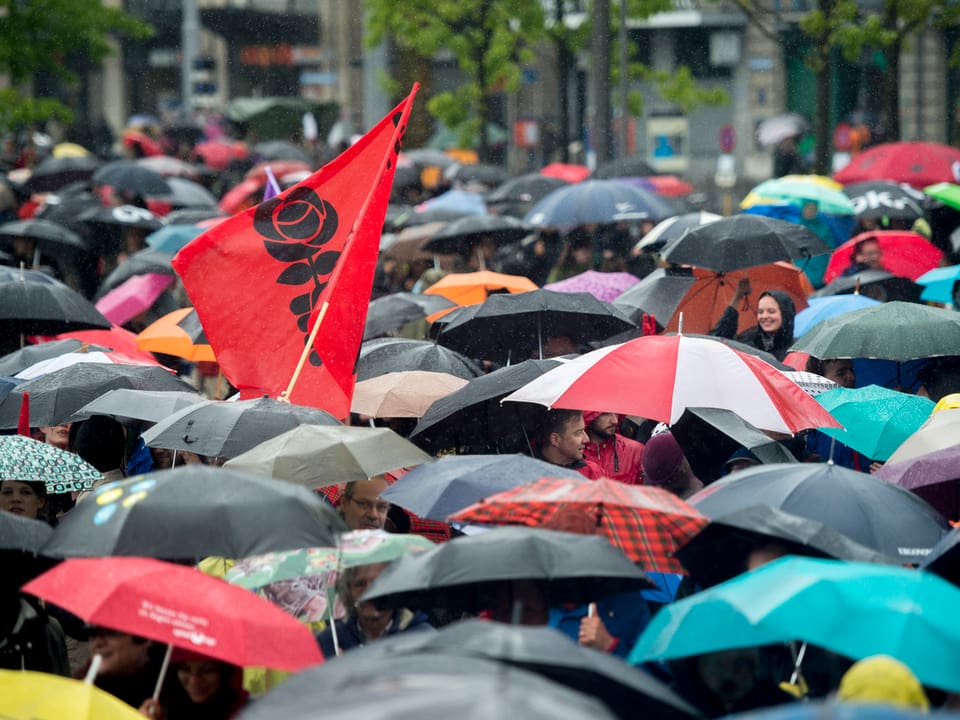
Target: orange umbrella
(473, 288)
(169, 337)
(711, 292)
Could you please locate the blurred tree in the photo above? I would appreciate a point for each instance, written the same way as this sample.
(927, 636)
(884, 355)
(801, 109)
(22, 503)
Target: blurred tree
(36, 36)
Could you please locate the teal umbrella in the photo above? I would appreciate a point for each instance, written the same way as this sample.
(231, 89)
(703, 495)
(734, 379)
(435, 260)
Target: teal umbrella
(938, 284)
(172, 238)
(28, 460)
(875, 420)
(854, 609)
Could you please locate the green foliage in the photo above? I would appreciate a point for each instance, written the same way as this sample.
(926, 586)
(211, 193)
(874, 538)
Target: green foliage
(680, 88)
(18, 111)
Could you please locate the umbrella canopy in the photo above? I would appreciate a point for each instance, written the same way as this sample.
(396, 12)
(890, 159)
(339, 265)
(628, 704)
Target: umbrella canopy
(946, 192)
(134, 406)
(56, 396)
(28, 460)
(598, 202)
(567, 172)
(474, 415)
(938, 432)
(855, 609)
(672, 228)
(143, 261)
(778, 128)
(631, 166)
(318, 455)
(192, 512)
(917, 164)
(26, 695)
(457, 235)
(436, 490)
(506, 326)
(473, 288)
(179, 606)
(279, 150)
(891, 331)
(106, 357)
(880, 199)
(465, 202)
(869, 511)
(877, 284)
(822, 192)
(932, 476)
(116, 338)
(391, 312)
(48, 235)
(219, 428)
(132, 177)
(23, 534)
(944, 559)
(190, 194)
(172, 238)
(169, 167)
(402, 394)
(939, 283)
(385, 355)
(604, 286)
(680, 372)
(133, 296)
(743, 241)
(720, 551)
(907, 254)
(178, 333)
(875, 420)
(527, 188)
(481, 173)
(53, 173)
(460, 574)
(823, 308)
(32, 303)
(646, 523)
(23, 358)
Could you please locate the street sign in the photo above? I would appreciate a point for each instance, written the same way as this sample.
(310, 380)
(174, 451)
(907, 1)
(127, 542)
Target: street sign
(728, 139)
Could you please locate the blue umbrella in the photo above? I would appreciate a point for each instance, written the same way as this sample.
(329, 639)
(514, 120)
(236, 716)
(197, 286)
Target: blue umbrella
(826, 307)
(938, 284)
(463, 201)
(854, 609)
(171, 238)
(598, 202)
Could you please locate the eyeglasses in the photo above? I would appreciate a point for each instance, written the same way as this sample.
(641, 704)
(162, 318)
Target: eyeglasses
(380, 508)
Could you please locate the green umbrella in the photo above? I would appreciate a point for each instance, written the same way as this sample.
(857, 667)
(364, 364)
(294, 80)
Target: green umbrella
(360, 547)
(895, 330)
(29, 460)
(875, 420)
(854, 609)
(798, 190)
(947, 193)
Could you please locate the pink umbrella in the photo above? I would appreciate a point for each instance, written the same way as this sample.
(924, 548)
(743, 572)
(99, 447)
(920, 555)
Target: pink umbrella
(606, 286)
(133, 296)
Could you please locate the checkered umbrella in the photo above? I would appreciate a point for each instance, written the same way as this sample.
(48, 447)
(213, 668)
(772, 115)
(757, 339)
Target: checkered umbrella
(646, 523)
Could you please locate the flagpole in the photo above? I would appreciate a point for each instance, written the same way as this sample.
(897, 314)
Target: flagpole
(285, 395)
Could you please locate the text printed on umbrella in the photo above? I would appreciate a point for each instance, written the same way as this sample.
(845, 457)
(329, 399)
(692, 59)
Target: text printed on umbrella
(183, 625)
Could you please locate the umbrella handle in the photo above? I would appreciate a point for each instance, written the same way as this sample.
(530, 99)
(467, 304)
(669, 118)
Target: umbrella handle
(95, 664)
(163, 672)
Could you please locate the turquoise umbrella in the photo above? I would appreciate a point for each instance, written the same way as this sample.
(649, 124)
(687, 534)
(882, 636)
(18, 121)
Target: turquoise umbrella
(875, 420)
(938, 284)
(172, 238)
(854, 609)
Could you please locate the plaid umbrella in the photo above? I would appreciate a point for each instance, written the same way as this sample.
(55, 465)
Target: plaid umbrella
(28, 460)
(648, 524)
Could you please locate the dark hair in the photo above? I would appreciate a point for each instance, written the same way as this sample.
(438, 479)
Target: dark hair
(556, 421)
(788, 312)
(101, 442)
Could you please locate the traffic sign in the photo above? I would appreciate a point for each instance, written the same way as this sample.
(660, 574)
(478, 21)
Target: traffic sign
(728, 139)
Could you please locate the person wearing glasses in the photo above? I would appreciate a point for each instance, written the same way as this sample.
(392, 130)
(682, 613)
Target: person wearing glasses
(361, 506)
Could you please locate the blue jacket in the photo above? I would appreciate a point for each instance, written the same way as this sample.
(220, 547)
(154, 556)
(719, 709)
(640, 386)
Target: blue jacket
(624, 615)
(350, 636)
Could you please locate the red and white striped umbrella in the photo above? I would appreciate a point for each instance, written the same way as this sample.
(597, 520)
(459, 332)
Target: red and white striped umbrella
(659, 376)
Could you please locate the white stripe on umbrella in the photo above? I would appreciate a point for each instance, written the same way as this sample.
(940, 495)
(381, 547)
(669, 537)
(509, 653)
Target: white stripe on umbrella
(658, 377)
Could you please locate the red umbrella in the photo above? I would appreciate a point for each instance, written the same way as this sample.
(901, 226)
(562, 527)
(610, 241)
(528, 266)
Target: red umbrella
(566, 171)
(647, 523)
(659, 376)
(907, 254)
(116, 338)
(179, 606)
(916, 163)
(218, 154)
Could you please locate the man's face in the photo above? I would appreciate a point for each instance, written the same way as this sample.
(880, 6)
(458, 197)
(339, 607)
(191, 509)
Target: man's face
(364, 510)
(571, 440)
(840, 371)
(870, 255)
(604, 425)
(122, 654)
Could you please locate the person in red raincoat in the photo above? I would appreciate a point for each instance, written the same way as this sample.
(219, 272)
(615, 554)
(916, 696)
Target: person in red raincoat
(619, 457)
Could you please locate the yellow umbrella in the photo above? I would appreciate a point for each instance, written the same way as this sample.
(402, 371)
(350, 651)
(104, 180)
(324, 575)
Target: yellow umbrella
(69, 149)
(26, 695)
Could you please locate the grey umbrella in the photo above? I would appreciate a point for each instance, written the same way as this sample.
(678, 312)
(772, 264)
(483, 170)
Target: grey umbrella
(383, 355)
(23, 534)
(227, 429)
(393, 311)
(130, 406)
(23, 358)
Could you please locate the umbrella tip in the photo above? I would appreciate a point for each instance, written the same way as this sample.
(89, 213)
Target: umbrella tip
(680, 324)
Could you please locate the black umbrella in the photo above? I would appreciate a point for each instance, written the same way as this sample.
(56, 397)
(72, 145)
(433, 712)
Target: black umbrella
(192, 512)
(383, 355)
(473, 414)
(628, 691)
(129, 176)
(944, 559)
(658, 294)
(272, 150)
(52, 173)
(185, 193)
(56, 396)
(190, 324)
(429, 157)
(141, 262)
(509, 326)
(18, 360)
(463, 574)
(883, 199)
(129, 216)
(229, 428)
(874, 513)
(46, 234)
(719, 552)
(632, 166)
(456, 236)
(438, 489)
(67, 206)
(673, 228)
(422, 685)
(709, 436)
(489, 175)
(743, 241)
(23, 534)
(32, 303)
(524, 189)
(878, 284)
(134, 406)
(191, 215)
(392, 312)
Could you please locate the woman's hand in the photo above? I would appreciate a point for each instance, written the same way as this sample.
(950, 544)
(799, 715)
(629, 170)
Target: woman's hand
(743, 289)
(152, 709)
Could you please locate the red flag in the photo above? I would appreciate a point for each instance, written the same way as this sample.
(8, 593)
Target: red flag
(259, 279)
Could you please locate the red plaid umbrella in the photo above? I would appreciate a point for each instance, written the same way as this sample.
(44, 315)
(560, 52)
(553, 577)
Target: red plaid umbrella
(648, 524)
